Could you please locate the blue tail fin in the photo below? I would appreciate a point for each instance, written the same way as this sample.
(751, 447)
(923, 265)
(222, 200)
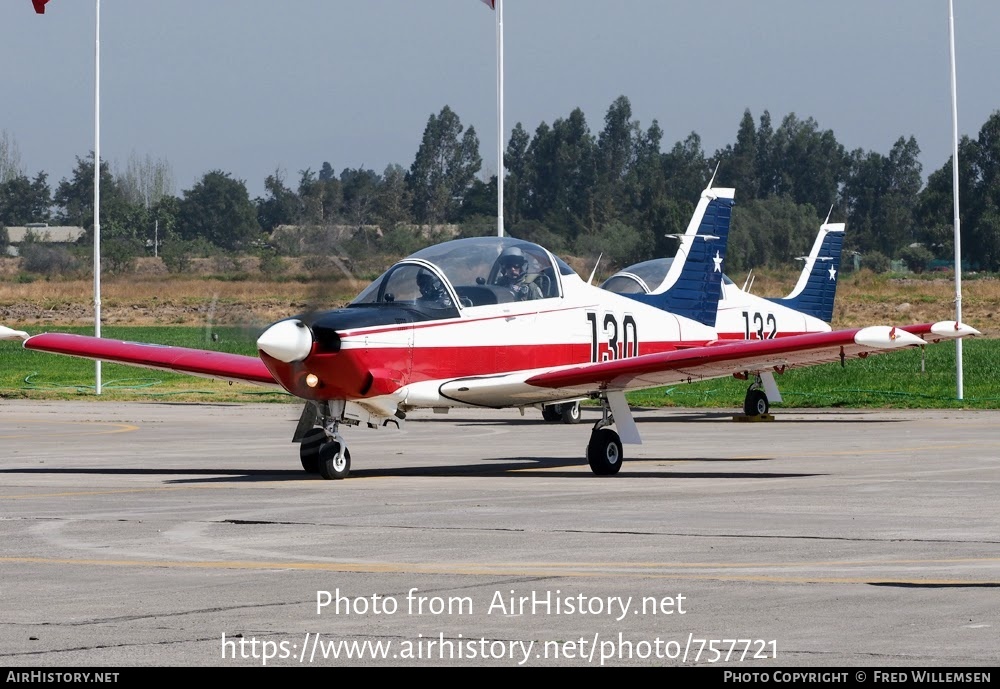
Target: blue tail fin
(693, 285)
(816, 289)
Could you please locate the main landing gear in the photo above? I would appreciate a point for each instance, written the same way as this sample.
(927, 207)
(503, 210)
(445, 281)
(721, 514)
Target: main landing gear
(604, 451)
(568, 412)
(756, 403)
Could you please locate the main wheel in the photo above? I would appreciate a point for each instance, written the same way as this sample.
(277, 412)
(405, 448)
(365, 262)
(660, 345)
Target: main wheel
(755, 403)
(334, 461)
(571, 412)
(552, 412)
(309, 449)
(604, 452)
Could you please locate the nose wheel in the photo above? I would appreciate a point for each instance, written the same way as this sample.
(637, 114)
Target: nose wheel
(309, 448)
(334, 460)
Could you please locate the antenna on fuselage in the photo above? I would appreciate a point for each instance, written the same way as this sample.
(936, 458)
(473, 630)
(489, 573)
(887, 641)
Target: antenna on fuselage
(590, 280)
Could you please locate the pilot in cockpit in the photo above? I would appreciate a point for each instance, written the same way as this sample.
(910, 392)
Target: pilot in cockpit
(513, 269)
(432, 292)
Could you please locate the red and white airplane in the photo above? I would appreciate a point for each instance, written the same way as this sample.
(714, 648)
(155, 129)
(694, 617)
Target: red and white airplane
(742, 315)
(501, 323)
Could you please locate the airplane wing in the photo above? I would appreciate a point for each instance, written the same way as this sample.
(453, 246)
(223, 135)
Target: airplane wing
(236, 368)
(726, 358)
(716, 360)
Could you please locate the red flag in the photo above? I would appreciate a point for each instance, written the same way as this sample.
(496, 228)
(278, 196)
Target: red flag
(492, 4)
(40, 5)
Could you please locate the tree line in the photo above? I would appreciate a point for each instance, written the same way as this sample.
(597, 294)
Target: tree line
(616, 192)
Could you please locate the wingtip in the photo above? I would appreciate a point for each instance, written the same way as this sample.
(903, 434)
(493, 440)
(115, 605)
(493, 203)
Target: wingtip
(886, 337)
(953, 329)
(9, 334)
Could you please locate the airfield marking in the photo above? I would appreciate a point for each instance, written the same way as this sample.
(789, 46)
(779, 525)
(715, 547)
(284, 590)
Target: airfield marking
(554, 570)
(118, 428)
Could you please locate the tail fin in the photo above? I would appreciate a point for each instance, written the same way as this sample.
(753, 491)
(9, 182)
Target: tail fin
(817, 286)
(693, 285)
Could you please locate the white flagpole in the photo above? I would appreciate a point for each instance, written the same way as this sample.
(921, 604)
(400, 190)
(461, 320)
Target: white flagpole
(97, 190)
(954, 183)
(500, 169)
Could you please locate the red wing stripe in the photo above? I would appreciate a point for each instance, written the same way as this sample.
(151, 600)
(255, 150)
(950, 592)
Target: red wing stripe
(195, 362)
(708, 361)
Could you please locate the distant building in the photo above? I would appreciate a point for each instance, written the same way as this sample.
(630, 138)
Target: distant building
(50, 234)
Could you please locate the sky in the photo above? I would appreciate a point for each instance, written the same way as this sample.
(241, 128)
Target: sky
(251, 87)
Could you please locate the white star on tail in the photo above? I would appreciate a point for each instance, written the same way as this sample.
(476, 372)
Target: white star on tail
(833, 273)
(718, 262)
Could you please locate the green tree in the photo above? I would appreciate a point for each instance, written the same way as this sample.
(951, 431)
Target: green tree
(983, 226)
(934, 215)
(218, 209)
(444, 168)
(738, 163)
(75, 197)
(562, 175)
(24, 201)
(119, 254)
(10, 158)
(145, 180)
(360, 188)
(685, 170)
(916, 257)
(881, 198)
(810, 165)
(616, 151)
(321, 198)
(770, 232)
(393, 202)
(516, 183)
(280, 205)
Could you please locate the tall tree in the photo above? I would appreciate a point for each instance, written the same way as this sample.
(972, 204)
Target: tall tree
(146, 180)
(24, 201)
(75, 197)
(218, 209)
(392, 205)
(280, 205)
(738, 162)
(321, 198)
(516, 183)
(360, 187)
(881, 198)
(616, 147)
(444, 168)
(934, 215)
(685, 169)
(10, 158)
(809, 164)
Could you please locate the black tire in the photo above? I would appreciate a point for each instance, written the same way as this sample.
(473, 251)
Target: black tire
(604, 452)
(552, 412)
(571, 412)
(309, 450)
(755, 403)
(333, 463)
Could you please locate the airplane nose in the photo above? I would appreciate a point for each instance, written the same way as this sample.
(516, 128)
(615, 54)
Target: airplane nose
(286, 341)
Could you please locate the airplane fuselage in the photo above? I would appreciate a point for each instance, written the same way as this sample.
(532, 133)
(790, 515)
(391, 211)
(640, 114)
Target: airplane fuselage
(410, 360)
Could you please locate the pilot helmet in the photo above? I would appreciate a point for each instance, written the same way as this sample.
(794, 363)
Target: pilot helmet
(513, 256)
(429, 284)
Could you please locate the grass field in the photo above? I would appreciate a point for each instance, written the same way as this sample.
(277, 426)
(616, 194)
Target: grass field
(908, 379)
